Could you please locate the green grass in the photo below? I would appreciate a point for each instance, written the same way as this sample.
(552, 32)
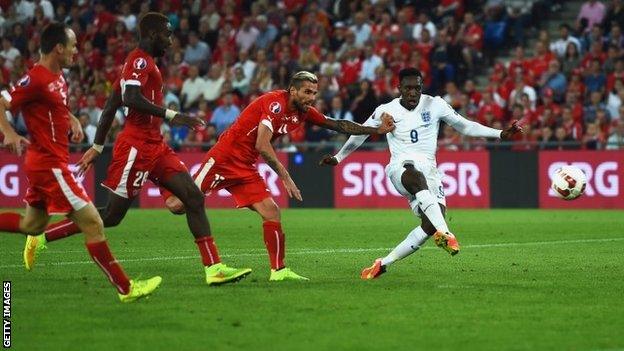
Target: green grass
(525, 280)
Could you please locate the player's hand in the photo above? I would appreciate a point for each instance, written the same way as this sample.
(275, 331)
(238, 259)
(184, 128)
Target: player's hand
(328, 160)
(387, 124)
(15, 143)
(87, 160)
(182, 119)
(511, 131)
(292, 189)
(76, 130)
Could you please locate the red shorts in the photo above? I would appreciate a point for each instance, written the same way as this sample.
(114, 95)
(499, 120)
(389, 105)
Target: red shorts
(133, 164)
(55, 190)
(242, 181)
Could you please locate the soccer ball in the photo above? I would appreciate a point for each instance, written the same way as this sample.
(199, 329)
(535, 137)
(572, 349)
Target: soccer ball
(569, 182)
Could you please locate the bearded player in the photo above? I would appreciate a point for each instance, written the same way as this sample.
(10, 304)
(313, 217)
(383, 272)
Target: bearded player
(230, 163)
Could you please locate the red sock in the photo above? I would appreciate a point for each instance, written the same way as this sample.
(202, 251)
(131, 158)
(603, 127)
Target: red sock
(9, 222)
(104, 258)
(60, 230)
(275, 242)
(208, 250)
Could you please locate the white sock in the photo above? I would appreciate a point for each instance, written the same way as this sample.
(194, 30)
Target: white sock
(411, 244)
(431, 209)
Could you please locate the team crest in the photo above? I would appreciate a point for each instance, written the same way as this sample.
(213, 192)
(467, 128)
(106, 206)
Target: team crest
(275, 107)
(140, 63)
(24, 81)
(426, 116)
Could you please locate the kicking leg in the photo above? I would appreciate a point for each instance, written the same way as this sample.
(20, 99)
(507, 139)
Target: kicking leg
(416, 184)
(182, 186)
(274, 240)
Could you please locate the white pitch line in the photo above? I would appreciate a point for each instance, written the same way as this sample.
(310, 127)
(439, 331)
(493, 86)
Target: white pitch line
(326, 251)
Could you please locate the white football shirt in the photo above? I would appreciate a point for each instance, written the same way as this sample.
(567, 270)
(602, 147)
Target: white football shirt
(416, 131)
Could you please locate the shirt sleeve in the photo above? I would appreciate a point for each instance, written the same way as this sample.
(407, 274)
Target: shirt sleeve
(462, 125)
(266, 118)
(136, 72)
(24, 91)
(315, 117)
(355, 141)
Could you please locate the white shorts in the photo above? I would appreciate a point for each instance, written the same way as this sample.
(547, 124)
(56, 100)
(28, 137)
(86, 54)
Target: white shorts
(428, 168)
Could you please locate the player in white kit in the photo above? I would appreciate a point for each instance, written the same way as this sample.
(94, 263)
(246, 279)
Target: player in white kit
(412, 168)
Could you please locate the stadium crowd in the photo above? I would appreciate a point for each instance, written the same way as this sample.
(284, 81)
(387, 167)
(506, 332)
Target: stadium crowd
(568, 91)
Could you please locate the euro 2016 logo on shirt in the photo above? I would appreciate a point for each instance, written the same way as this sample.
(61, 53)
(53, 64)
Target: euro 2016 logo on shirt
(24, 81)
(275, 107)
(426, 116)
(140, 63)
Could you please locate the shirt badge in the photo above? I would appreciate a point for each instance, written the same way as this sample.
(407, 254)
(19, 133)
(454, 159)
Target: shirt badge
(275, 107)
(426, 116)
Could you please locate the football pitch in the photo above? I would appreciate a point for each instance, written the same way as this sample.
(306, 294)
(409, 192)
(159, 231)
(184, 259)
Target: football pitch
(524, 280)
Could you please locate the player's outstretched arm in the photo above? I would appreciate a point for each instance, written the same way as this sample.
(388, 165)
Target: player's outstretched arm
(471, 128)
(352, 128)
(132, 98)
(264, 147)
(12, 140)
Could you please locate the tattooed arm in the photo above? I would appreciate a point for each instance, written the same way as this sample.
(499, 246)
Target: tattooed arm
(384, 125)
(264, 147)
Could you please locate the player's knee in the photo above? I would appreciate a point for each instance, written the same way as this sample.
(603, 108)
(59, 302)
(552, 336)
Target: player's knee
(413, 180)
(194, 199)
(271, 212)
(175, 206)
(92, 225)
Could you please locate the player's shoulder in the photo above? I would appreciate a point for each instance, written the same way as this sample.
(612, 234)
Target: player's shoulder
(275, 101)
(34, 76)
(139, 59)
(389, 107)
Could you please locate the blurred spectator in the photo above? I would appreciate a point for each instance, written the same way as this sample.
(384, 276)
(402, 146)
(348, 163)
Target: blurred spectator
(127, 17)
(563, 140)
(92, 110)
(370, 64)
(247, 35)
(615, 15)
(616, 139)
(266, 32)
(423, 22)
(337, 110)
(553, 81)
(246, 63)
(593, 138)
(224, 115)
(472, 36)
(240, 82)
(571, 60)
(9, 53)
(214, 83)
(330, 67)
(559, 47)
(361, 29)
(615, 98)
(546, 139)
(88, 128)
(364, 103)
(521, 88)
(192, 88)
(197, 51)
(573, 128)
(595, 80)
(594, 11)
(591, 109)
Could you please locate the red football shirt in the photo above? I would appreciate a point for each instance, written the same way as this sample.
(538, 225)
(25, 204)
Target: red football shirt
(41, 95)
(141, 70)
(270, 109)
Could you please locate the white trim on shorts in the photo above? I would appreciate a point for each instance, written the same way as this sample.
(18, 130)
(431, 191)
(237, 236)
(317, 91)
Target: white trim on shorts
(74, 200)
(122, 189)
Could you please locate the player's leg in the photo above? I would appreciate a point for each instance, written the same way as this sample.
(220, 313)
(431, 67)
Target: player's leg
(415, 182)
(274, 239)
(33, 221)
(182, 186)
(90, 223)
(112, 215)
